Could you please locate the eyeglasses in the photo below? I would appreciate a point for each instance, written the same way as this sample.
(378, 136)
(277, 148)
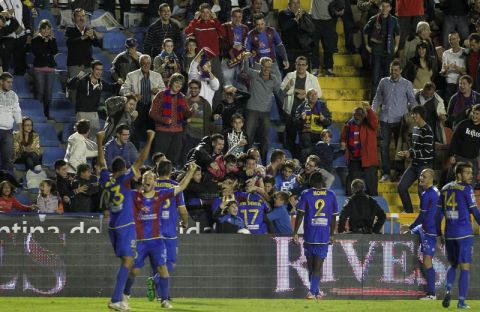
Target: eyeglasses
(303, 65)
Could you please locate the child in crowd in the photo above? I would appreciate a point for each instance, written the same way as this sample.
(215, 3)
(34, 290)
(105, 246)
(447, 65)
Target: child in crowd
(327, 154)
(189, 54)
(48, 200)
(236, 137)
(85, 199)
(279, 215)
(286, 180)
(167, 62)
(8, 200)
(234, 102)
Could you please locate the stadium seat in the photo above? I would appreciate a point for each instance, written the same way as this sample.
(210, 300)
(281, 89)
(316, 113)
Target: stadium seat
(101, 29)
(57, 92)
(335, 133)
(37, 116)
(96, 14)
(50, 155)
(63, 115)
(338, 192)
(61, 60)
(383, 203)
(22, 87)
(391, 227)
(102, 58)
(48, 134)
(114, 41)
(24, 198)
(273, 135)
(337, 183)
(60, 38)
(31, 105)
(340, 202)
(67, 131)
(340, 162)
(274, 114)
(44, 14)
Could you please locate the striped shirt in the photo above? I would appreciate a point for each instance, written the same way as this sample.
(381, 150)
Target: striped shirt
(421, 151)
(156, 33)
(145, 90)
(10, 111)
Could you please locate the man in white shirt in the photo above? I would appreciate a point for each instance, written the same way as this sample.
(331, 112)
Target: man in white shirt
(453, 64)
(79, 147)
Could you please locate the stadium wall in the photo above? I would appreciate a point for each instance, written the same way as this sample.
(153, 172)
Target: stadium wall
(73, 257)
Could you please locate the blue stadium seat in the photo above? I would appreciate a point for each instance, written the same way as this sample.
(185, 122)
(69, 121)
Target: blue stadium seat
(274, 113)
(37, 116)
(340, 162)
(337, 183)
(31, 105)
(67, 131)
(61, 110)
(140, 37)
(23, 198)
(22, 87)
(114, 41)
(273, 135)
(57, 92)
(60, 38)
(61, 60)
(96, 14)
(102, 58)
(44, 14)
(101, 29)
(340, 202)
(50, 155)
(48, 134)
(335, 133)
(338, 192)
(383, 203)
(391, 227)
(29, 59)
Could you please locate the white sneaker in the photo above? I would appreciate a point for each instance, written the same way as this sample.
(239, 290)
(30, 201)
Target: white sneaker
(166, 304)
(125, 300)
(118, 306)
(429, 297)
(385, 178)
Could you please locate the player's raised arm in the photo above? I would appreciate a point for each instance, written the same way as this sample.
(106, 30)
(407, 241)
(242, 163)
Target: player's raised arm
(145, 151)
(192, 167)
(101, 155)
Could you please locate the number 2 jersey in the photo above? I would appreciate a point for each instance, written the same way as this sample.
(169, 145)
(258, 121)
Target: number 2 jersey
(118, 197)
(169, 211)
(457, 202)
(319, 206)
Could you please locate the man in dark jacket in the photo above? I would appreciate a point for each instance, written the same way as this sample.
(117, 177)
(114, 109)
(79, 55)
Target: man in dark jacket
(359, 212)
(205, 153)
(6, 30)
(86, 199)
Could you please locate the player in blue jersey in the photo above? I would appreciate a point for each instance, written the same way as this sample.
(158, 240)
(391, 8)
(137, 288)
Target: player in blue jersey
(229, 193)
(147, 210)
(118, 200)
(457, 202)
(318, 209)
(425, 227)
(253, 210)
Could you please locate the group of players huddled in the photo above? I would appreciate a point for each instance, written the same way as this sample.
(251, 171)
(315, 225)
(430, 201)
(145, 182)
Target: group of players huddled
(143, 223)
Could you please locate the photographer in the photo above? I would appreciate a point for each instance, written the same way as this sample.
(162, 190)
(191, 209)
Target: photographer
(167, 62)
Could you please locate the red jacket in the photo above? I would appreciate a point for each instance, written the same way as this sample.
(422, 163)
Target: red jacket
(368, 140)
(208, 33)
(409, 8)
(8, 203)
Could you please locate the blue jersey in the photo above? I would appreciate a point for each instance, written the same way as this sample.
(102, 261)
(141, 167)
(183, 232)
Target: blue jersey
(286, 184)
(457, 202)
(319, 206)
(169, 214)
(147, 213)
(253, 210)
(118, 197)
(428, 211)
(236, 196)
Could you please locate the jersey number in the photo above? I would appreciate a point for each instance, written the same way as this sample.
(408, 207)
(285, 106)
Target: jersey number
(117, 197)
(166, 203)
(319, 205)
(255, 215)
(451, 202)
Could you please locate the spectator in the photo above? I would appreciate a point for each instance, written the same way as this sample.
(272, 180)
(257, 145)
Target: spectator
(11, 113)
(455, 18)
(435, 113)
(199, 124)
(167, 62)
(227, 219)
(221, 8)
(289, 24)
(234, 102)
(232, 47)
(287, 181)
(87, 198)
(235, 137)
(89, 89)
(120, 110)
(207, 151)
(421, 35)
(250, 11)
(64, 182)
(324, 31)
(8, 25)
(189, 54)
(473, 14)
(361, 213)
(125, 6)
(144, 84)
(126, 61)
(279, 215)
(263, 84)
(359, 140)
(343, 9)
(381, 36)
(295, 86)
(409, 13)
(120, 146)
(201, 69)
(277, 160)
(368, 8)
(80, 40)
(48, 200)
(8, 200)
(14, 44)
(393, 98)
(326, 154)
(170, 112)
(421, 153)
(163, 28)
(473, 59)
(453, 64)
(312, 116)
(44, 48)
(461, 102)
(263, 41)
(26, 146)
(422, 67)
(465, 143)
(79, 147)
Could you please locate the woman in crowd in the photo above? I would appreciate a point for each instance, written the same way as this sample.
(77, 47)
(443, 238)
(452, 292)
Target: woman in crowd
(8, 200)
(26, 146)
(422, 67)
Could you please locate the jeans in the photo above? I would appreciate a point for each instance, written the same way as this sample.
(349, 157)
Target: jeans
(409, 176)
(169, 143)
(324, 31)
(386, 130)
(43, 88)
(256, 119)
(451, 23)
(30, 159)
(348, 23)
(6, 149)
(380, 69)
(16, 48)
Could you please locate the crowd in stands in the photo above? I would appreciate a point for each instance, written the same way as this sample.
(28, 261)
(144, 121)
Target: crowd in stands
(208, 76)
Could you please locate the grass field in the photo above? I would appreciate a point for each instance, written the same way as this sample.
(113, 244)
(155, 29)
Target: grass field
(227, 305)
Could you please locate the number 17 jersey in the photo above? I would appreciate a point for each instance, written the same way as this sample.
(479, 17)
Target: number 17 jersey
(319, 206)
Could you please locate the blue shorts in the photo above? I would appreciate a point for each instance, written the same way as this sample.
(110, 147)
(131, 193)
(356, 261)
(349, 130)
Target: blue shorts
(171, 247)
(459, 250)
(428, 244)
(316, 250)
(153, 249)
(123, 241)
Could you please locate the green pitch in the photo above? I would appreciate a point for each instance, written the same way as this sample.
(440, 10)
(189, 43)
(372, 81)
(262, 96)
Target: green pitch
(226, 305)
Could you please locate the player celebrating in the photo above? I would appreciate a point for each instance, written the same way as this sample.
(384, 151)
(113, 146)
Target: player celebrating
(253, 210)
(425, 227)
(119, 201)
(147, 212)
(456, 203)
(319, 207)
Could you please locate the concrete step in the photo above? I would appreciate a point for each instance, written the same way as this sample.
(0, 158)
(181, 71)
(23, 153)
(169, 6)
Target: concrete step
(343, 106)
(393, 199)
(341, 117)
(348, 71)
(344, 82)
(391, 187)
(283, 4)
(346, 94)
(347, 59)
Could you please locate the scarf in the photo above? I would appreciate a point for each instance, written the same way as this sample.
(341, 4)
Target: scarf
(353, 141)
(377, 35)
(204, 59)
(164, 55)
(167, 106)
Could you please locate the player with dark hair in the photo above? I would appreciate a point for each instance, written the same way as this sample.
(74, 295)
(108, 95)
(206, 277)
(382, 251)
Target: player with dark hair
(319, 207)
(457, 202)
(425, 227)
